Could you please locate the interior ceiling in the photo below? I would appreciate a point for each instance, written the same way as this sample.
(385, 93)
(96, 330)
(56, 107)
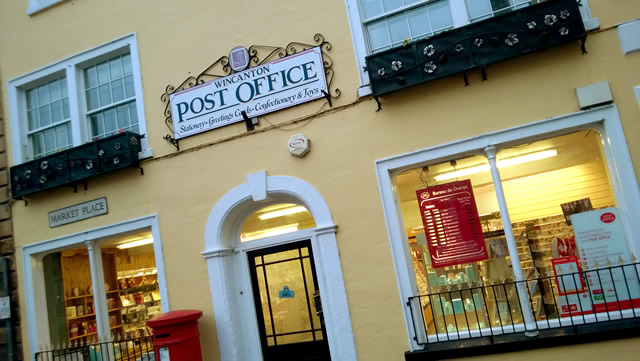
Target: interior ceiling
(114, 241)
(575, 148)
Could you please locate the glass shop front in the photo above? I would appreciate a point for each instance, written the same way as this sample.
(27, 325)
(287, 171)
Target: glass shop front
(463, 259)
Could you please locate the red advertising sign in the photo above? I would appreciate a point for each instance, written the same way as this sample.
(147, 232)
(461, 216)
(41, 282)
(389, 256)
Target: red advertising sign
(451, 224)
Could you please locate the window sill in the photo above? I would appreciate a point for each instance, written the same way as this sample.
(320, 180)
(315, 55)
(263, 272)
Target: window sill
(36, 6)
(519, 342)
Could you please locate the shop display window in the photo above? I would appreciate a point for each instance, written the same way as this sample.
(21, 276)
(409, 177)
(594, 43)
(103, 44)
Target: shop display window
(276, 220)
(544, 182)
(130, 286)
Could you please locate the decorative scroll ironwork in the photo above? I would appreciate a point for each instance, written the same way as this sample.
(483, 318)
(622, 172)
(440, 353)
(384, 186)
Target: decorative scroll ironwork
(258, 55)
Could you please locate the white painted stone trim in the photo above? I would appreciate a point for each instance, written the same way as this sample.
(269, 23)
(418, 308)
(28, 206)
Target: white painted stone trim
(38, 327)
(231, 291)
(605, 119)
(629, 35)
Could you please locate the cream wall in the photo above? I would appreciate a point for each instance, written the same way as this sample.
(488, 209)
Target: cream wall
(176, 39)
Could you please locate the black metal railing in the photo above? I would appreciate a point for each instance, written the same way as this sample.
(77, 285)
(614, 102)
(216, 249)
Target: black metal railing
(133, 349)
(483, 309)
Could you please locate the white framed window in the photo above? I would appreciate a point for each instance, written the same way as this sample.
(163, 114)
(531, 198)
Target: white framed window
(377, 25)
(605, 120)
(87, 96)
(37, 5)
(52, 292)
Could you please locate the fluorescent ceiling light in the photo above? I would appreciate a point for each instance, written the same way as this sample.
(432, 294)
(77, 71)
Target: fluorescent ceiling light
(270, 232)
(501, 164)
(282, 212)
(140, 242)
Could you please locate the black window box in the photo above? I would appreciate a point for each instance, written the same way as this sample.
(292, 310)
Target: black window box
(476, 45)
(76, 164)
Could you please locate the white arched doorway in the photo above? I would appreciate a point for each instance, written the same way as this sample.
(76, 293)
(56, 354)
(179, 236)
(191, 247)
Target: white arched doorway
(229, 278)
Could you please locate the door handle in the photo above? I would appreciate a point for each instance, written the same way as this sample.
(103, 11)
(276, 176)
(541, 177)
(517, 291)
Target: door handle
(318, 303)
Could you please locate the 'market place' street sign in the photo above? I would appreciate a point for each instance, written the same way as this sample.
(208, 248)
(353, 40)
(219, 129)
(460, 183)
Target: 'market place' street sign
(283, 83)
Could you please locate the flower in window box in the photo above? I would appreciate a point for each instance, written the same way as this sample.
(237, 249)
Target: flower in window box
(429, 50)
(549, 20)
(512, 39)
(396, 65)
(564, 14)
(381, 72)
(405, 42)
(564, 31)
(479, 42)
(43, 179)
(89, 164)
(430, 67)
(459, 48)
(531, 25)
(44, 165)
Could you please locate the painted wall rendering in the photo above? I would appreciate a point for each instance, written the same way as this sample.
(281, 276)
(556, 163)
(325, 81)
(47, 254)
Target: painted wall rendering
(77, 72)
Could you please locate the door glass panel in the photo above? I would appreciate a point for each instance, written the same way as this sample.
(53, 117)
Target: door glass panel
(276, 220)
(284, 288)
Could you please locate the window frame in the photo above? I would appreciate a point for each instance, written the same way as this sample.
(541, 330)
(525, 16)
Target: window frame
(459, 15)
(73, 68)
(38, 5)
(32, 255)
(617, 158)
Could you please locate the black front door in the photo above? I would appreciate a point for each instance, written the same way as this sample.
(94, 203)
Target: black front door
(287, 300)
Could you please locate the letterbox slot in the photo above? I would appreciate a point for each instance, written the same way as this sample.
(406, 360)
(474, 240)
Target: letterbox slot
(163, 335)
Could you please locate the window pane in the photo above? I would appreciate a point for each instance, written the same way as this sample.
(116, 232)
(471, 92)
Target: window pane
(372, 8)
(116, 67)
(103, 73)
(128, 85)
(440, 15)
(126, 63)
(37, 141)
(110, 121)
(123, 117)
(97, 125)
(117, 88)
(378, 35)
(478, 8)
(390, 5)
(62, 134)
(32, 99)
(63, 83)
(276, 219)
(90, 77)
(43, 94)
(133, 113)
(399, 28)
(92, 99)
(32, 116)
(65, 108)
(56, 90)
(417, 22)
(45, 115)
(104, 92)
(498, 5)
(50, 140)
(56, 111)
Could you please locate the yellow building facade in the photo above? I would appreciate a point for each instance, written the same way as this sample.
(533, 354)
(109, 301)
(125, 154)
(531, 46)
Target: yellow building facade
(78, 72)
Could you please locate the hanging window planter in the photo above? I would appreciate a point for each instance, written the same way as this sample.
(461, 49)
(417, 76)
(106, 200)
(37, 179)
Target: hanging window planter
(477, 45)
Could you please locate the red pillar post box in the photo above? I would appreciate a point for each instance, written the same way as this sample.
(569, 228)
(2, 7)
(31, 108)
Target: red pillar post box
(176, 336)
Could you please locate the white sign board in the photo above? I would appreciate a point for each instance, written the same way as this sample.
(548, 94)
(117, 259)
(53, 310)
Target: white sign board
(283, 83)
(5, 308)
(78, 212)
(602, 243)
